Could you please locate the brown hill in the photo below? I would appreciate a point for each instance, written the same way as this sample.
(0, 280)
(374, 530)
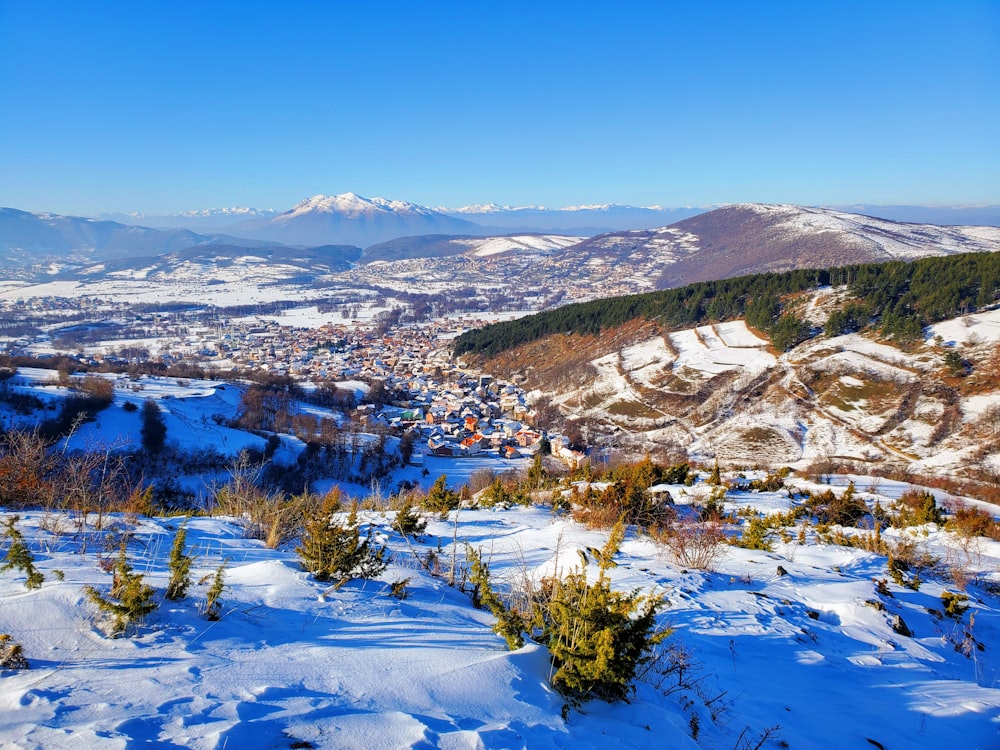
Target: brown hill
(755, 238)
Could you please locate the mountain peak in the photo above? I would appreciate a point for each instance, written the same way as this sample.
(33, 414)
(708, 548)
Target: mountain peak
(353, 205)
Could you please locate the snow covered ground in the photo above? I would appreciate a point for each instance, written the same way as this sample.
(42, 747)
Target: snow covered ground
(295, 663)
(704, 350)
(974, 328)
(895, 239)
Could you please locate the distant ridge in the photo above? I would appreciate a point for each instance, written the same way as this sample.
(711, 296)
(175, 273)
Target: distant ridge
(943, 215)
(27, 238)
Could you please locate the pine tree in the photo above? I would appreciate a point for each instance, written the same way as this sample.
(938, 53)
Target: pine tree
(336, 551)
(134, 598)
(408, 521)
(537, 474)
(154, 429)
(510, 625)
(755, 535)
(440, 499)
(180, 568)
(213, 607)
(715, 479)
(597, 637)
(19, 556)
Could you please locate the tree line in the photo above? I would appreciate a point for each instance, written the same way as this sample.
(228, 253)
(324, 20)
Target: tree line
(897, 298)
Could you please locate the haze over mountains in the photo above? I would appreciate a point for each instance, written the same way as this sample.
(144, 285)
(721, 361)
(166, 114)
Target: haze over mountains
(729, 241)
(376, 213)
(27, 238)
(366, 221)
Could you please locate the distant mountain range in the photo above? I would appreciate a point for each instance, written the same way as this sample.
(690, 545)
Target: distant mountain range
(203, 220)
(577, 220)
(352, 219)
(27, 238)
(330, 235)
(333, 213)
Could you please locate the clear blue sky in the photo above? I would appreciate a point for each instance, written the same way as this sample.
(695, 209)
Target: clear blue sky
(166, 106)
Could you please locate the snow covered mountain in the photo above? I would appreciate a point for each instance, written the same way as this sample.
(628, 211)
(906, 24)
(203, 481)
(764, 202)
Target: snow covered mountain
(202, 220)
(756, 237)
(730, 241)
(350, 219)
(442, 246)
(27, 238)
(581, 220)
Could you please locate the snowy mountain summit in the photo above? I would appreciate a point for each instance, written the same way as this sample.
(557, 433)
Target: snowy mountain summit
(352, 204)
(351, 219)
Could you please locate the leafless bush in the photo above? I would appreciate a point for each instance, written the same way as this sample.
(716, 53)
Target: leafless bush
(691, 542)
(970, 521)
(267, 515)
(26, 468)
(480, 480)
(962, 558)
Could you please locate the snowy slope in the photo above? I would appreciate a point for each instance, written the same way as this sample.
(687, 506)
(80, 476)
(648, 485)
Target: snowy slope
(889, 239)
(755, 238)
(295, 661)
(719, 392)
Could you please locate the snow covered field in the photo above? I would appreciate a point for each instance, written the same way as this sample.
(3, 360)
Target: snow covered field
(704, 350)
(974, 328)
(295, 663)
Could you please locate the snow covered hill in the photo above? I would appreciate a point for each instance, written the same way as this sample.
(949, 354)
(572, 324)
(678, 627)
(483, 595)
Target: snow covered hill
(442, 246)
(719, 392)
(800, 641)
(756, 238)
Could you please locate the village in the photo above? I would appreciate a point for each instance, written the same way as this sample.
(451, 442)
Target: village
(403, 378)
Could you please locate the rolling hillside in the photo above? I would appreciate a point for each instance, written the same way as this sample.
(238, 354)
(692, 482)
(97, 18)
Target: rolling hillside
(758, 238)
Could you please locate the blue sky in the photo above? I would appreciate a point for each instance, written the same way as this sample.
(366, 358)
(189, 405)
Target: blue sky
(160, 107)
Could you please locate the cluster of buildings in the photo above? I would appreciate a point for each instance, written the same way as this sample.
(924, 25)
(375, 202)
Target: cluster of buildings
(446, 411)
(454, 414)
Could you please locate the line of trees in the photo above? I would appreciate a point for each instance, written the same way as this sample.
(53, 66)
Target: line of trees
(897, 297)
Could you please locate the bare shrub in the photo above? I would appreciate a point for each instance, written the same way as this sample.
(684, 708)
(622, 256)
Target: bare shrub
(970, 521)
(267, 515)
(845, 509)
(480, 480)
(11, 653)
(97, 387)
(26, 468)
(962, 558)
(691, 542)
